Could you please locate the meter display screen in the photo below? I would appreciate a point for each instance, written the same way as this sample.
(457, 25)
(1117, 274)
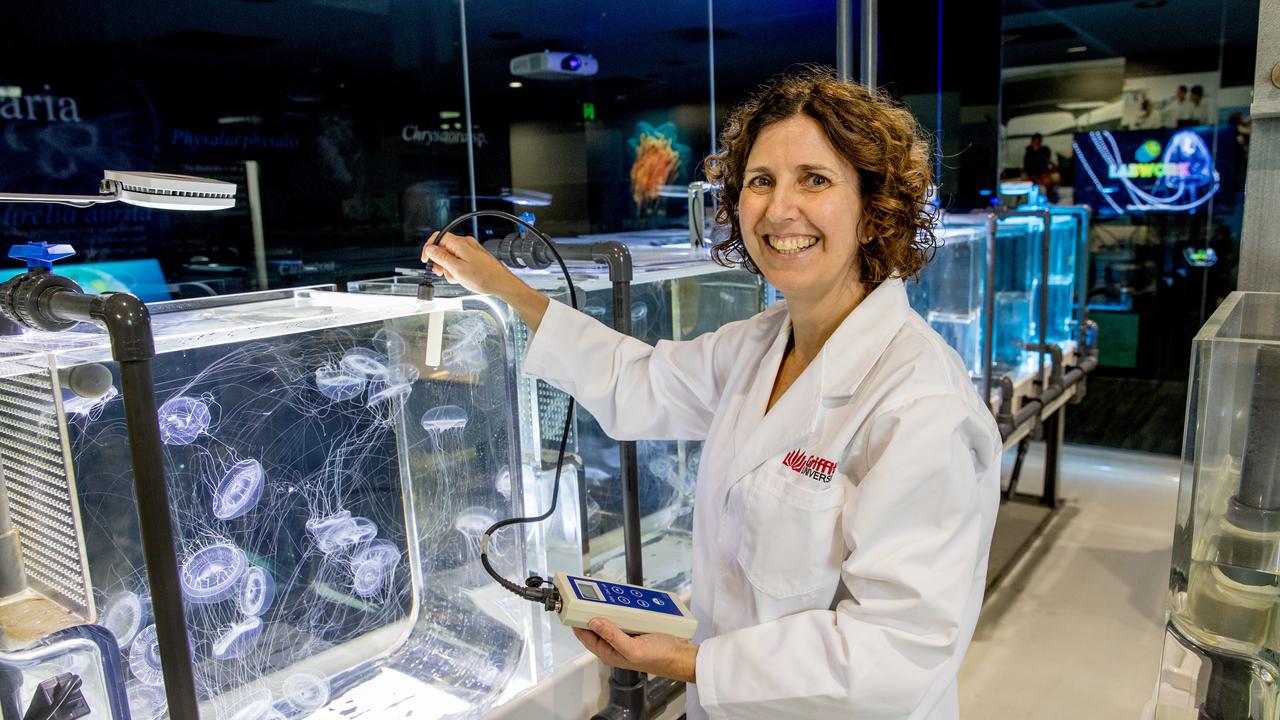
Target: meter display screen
(588, 591)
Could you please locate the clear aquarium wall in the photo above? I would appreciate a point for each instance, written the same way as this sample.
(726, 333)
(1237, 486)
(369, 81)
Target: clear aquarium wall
(1018, 243)
(1220, 660)
(676, 293)
(1064, 249)
(332, 460)
(949, 293)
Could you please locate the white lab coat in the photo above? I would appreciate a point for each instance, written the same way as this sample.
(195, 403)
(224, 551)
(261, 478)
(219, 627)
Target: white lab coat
(840, 540)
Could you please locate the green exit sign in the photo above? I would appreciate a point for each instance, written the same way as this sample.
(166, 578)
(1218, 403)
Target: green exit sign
(588, 111)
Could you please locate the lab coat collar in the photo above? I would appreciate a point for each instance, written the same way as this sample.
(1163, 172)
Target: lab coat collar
(845, 359)
(857, 344)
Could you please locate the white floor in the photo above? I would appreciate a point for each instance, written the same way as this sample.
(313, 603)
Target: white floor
(1075, 630)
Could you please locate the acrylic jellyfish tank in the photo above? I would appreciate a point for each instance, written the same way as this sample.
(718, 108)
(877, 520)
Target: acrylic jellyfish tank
(331, 459)
(676, 294)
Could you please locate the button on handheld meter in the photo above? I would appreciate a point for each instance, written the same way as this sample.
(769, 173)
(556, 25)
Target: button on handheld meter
(637, 610)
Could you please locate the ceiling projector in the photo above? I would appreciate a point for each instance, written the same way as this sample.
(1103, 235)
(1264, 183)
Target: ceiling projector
(548, 65)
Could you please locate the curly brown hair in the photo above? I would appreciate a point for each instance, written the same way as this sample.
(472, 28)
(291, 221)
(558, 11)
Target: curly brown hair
(880, 138)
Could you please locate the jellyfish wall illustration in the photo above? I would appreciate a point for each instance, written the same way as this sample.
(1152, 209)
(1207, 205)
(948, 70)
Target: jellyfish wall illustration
(285, 461)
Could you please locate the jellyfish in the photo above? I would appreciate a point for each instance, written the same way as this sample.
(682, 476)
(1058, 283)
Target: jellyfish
(257, 591)
(503, 482)
(364, 362)
(144, 657)
(390, 344)
(238, 640)
(255, 705)
(664, 468)
(306, 692)
(73, 404)
(123, 617)
(146, 702)
(210, 574)
(398, 383)
(340, 530)
(445, 417)
(598, 312)
(182, 419)
(372, 565)
(239, 490)
(338, 383)
(464, 344)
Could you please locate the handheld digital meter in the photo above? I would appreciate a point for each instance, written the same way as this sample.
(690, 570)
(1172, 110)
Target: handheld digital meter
(636, 610)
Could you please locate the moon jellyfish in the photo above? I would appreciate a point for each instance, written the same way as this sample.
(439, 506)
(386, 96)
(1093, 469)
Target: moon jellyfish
(364, 362)
(256, 705)
(390, 344)
(123, 617)
(338, 383)
(598, 312)
(146, 702)
(73, 404)
(306, 692)
(340, 530)
(239, 490)
(257, 591)
(665, 469)
(398, 383)
(182, 419)
(144, 657)
(210, 574)
(238, 640)
(464, 344)
(372, 565)
(445, 417)
(503, 482)
(473, 521)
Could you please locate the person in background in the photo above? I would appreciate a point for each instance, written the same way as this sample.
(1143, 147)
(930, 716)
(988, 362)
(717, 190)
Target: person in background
(1198, 111)
(1175, 108)
(1038, 167)
(1148, 119)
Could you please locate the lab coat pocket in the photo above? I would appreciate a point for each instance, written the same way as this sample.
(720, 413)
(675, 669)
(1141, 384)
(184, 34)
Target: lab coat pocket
(791, 541)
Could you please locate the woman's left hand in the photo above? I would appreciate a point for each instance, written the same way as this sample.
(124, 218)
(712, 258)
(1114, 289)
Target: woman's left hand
(662, 655)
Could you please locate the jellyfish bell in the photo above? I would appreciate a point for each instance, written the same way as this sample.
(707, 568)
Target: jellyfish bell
(384, 391)
(182, 419)
(239, 490)
(238, 640)
(123, 617)
(364, 362)
(340, 530)
(144, 657)
(257, 591)
(444, 417)
(389, 344)
(306, 692)
(372, 564)
(338, 383)
(212, 573)
(146, 702)
(254, 705)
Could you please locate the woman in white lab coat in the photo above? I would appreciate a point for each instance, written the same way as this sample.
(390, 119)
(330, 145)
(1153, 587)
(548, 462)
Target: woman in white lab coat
(850, 474)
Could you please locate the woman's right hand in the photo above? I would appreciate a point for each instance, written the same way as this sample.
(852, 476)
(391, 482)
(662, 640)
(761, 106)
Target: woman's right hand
(461, 260)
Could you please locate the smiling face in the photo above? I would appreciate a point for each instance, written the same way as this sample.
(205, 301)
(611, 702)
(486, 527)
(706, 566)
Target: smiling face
(800, 211)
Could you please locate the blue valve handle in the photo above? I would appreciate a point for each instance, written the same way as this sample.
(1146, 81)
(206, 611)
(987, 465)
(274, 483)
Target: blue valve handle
(528, 217)
(40, 254)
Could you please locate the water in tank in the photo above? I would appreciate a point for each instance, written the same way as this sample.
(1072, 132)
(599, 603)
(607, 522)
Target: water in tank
(949, 293)
(678, 294)
(1018, 242)
(1064, 249)
(332, 460)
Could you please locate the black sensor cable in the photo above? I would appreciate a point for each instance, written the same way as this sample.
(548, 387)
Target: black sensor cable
(536, 588)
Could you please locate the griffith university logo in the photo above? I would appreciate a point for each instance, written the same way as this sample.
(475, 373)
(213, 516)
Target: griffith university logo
(819, 469)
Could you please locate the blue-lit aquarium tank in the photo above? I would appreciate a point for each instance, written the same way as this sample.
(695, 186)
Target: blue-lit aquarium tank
(949, 294)
(676, 294)
(332, 460)
(1064, 252)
